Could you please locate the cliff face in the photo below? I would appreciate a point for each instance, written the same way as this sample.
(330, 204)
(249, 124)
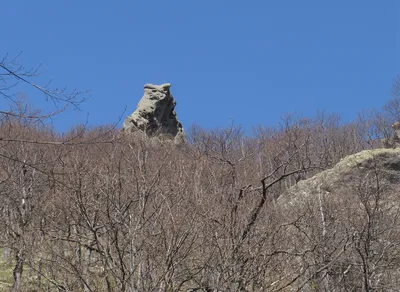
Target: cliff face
(155, 114)
(343, 224)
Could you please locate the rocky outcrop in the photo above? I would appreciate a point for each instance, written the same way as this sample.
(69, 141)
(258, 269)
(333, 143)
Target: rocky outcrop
(155, 115)
(349, 173)
(342, 222)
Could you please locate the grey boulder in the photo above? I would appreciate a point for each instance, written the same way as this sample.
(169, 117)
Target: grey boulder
(155, 115)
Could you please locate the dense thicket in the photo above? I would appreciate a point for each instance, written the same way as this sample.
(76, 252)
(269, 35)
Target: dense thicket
(95, 210)
(99, 211)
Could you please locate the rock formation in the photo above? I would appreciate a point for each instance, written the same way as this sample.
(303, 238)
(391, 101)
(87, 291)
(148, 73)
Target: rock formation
(342, 221)
(155, 115)
(350, 171)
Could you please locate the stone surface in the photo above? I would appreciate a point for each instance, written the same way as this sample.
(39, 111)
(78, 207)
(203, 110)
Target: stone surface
(155, 114)
(349, 174)
(331, 215)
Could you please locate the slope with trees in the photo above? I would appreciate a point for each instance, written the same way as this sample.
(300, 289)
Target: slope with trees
(93, 210)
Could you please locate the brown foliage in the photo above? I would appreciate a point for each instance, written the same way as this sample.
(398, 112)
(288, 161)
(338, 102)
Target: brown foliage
(92, 210)
(96, 211)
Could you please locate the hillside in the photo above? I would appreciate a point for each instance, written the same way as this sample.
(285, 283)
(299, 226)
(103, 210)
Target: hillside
(95, 210)
(347, 220)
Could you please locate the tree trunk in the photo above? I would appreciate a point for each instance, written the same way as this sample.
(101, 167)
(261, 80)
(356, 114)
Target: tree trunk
(17, 272)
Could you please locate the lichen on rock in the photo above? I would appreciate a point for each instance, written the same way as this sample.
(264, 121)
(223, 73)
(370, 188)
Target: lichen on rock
(347, 174)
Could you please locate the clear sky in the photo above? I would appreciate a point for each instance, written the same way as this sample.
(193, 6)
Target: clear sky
(250, 61)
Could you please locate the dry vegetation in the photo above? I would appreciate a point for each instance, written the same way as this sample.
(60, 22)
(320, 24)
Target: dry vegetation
(93, 210)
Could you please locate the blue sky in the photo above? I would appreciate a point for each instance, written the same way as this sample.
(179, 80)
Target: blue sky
(250, 61)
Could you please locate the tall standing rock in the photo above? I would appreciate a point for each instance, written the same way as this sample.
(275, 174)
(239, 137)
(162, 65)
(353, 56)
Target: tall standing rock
(155, 114)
